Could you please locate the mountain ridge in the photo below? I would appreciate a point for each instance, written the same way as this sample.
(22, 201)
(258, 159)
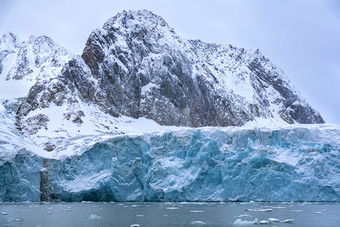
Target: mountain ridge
(137, 66)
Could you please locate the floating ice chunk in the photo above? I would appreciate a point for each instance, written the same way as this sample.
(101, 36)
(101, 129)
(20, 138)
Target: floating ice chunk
(318, 212)
(88, 202)
(264, 222)
(196, 211)
(273, 220)
(134, 225)
(94, 217)
(165, 215)
(140, 215)
(4, 213)
(17, 219)
(172, 208)
(198, 223)
(278, 207)
(243, 216)
(244, 222)
(259, 210)
(287, 221)
(296, 210)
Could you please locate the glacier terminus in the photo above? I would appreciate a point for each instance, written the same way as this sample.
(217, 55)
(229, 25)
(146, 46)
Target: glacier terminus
(293, 163)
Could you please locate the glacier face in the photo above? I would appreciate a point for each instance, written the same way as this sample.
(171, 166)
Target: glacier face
(295, 163)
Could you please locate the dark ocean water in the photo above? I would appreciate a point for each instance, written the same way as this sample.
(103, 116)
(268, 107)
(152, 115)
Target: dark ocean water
(169, 214)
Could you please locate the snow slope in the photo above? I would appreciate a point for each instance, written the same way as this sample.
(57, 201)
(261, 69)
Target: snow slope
(23, 63)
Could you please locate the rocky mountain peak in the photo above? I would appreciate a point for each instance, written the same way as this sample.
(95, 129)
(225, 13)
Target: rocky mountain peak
(34, 59)
(135, 20)
(136, 66)
(9, 42)
(145, 69)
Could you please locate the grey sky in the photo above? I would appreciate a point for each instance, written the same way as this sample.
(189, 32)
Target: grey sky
(300, 36)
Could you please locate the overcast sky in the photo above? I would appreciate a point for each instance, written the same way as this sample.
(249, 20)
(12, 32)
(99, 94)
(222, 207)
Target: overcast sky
(302, 37)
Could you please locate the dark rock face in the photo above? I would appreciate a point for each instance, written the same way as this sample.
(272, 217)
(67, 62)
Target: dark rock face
(137, 66)
(296, 109)
(145, 69)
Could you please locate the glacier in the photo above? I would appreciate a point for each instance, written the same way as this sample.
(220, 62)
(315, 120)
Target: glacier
(286, 163)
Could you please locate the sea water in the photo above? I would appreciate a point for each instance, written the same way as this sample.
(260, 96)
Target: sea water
(169, 214)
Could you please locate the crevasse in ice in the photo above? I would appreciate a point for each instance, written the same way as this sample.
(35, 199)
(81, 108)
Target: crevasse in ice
(292, 163)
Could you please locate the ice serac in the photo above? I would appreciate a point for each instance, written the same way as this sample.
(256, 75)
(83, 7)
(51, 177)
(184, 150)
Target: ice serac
(144, 68)
(293, 163)
(19, 166)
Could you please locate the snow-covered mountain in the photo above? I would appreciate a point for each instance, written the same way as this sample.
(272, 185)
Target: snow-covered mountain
(25, 63)
(144, 68)
(137, 66)
(63, 117)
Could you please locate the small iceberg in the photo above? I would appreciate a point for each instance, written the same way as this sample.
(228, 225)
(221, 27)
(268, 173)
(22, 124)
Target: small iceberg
(259, 210)
(198, 223)
(243, 216)
(264, 222)
(172, 208)
(273, 220)
(287, 221)
(241, 222)
(94, 217)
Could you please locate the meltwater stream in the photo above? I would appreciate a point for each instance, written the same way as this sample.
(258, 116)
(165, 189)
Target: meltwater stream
(169, 214)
